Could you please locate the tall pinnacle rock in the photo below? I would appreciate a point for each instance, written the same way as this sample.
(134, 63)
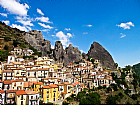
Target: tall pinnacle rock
(98, 52)
(58, 52)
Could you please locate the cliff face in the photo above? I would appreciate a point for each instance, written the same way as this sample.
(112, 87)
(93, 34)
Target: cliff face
(98, 52)
(72, 54)
(36, 40)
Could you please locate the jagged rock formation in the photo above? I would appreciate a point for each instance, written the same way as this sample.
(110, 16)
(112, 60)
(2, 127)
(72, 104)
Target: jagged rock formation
(84, 56)
(36, 40)
(98, 52)
(58, 52)
(72, 55)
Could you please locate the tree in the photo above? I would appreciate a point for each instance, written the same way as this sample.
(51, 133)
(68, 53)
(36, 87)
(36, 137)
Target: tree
(114, 76)
(111, 100)
(109, 89)
(3, 55)
(116, 65)
(81, 95)
(92, 60)
(114, 86)
(6, 47)
(65, 103)
(90, 99)
(15, 43)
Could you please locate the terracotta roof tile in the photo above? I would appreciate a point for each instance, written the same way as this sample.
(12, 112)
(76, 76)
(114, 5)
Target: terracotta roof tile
(66, 83)
(30, 92)
(21, 92)
(53, 86)
(46, 87)
(7, 82)
(60, 84)
(28, 84)
(18, 80)
(38, 83)
(2, 92)
(11, 91)
(6, 71)
(64, 92)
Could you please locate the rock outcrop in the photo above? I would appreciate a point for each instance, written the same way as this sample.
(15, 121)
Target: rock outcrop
(58, 52)
(36, 40)
(72, 55)
(98, 52)
(67, 55)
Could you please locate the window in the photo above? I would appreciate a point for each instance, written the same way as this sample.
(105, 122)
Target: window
(21, 102)
(17, 72)
(61, 89)
(28, 73)
(47, 95)
(31, 97)
(21, 97)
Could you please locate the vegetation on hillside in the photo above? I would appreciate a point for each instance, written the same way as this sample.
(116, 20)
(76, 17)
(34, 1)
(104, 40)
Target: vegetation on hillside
(136, 70)
(11, 38)
(125, 91)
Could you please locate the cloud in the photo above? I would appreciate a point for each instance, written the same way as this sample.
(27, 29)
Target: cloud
(14, 7)
(7, 22)
(122, 35)
(85, 33)
(22, 28)
(69, 35)
(45, 30)
(3, 14)
(64, 38)
(40, 12)
(126, 25)
(45, 26)
(89, 25)
(43, 19)
(52, 47)
(28, 28)
(67, 29)
(24, 20)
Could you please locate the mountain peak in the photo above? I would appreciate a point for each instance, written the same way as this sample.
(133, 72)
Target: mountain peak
(99, 52)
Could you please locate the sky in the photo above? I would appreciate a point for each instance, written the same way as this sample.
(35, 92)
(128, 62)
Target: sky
(115, 24)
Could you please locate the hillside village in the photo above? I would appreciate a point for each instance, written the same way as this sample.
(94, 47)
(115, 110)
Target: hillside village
(33, 73)
(31, 81)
